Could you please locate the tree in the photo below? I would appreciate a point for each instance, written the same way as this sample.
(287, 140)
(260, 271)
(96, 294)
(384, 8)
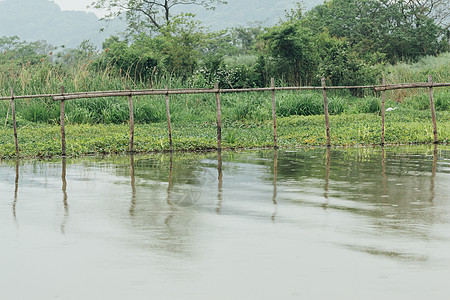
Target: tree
(438, 10)
(391, 27)
(294, 52)
(175, 50)
(147, 14)
(21, 52)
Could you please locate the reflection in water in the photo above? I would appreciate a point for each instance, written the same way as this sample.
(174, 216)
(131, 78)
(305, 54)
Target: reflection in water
(327, 179)
(275, 179)
(170, 191)
(64, 190)
(383, 171)
(160, 237)
(433, 173)
(16, 190)
(220, 182)
(133, 186)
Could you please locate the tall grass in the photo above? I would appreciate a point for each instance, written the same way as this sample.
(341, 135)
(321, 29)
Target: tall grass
(46, 78)
(437, 66)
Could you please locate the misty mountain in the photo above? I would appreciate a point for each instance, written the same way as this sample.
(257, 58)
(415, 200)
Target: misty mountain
(33, 20)
(244, 12)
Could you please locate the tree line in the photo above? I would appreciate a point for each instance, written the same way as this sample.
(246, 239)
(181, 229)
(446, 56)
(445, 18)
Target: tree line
(346, 41)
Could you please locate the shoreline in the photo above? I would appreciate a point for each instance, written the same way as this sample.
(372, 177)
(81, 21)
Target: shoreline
(348, 130)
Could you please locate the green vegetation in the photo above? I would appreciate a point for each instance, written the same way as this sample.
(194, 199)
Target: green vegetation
(404, 126)
(180, 53)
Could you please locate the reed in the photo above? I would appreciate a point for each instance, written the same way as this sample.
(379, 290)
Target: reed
(245, 107)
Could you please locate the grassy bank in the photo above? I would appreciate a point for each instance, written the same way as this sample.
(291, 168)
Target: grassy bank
(403, 126)
(99, 126)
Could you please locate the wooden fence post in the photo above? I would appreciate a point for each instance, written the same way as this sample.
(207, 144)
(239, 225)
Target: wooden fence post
(219, 117)
(325, 106)
(383, 111)
(130, 103)
(274, 113)
(63, 123)
(13, 111)
(169, 125)
(433, 112)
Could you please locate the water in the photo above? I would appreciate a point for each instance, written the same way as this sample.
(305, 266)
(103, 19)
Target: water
(365, 223)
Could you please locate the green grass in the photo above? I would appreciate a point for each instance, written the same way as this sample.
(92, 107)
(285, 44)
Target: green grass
(403, 126)
(437, 66)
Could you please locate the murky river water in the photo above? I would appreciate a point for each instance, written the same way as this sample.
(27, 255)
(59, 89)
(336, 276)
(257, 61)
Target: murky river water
(307, 224)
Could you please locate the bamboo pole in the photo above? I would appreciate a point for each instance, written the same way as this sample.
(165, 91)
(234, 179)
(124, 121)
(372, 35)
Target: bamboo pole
(219, 117)
(169, 125)
(13, 112)
(433, 112)
(325, 106)
(130, 103)
(148, 92)
(409, 86)
(274, 115)
(63, 124)
(383, 112)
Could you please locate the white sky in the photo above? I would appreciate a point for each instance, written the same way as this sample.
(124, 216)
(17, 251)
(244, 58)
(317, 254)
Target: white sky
(77, 5)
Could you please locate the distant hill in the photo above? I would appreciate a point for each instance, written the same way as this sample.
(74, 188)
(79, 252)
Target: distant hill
(242, 12)
(33, 20)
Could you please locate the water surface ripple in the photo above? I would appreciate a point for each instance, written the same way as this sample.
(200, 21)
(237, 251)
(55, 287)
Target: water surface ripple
(368, 223)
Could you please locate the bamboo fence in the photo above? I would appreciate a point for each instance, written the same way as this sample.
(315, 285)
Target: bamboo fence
(129, 93)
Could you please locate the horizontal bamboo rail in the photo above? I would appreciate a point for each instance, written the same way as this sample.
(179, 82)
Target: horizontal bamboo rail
(149, 92)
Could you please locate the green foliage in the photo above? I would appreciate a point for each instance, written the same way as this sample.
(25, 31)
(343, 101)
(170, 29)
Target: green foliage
(237, 76)
(293, 51)
(17, 52)
(402, 126)
(184, 37)
(137, 60)
(393, 28)
(342, 65)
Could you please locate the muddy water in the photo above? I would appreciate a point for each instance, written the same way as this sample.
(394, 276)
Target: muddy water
(366, 223)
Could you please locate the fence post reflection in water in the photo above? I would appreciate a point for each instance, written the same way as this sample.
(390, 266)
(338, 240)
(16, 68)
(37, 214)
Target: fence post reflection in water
(433, 172)
(383, 172)
(220, 182)
(65, 197)
(327, 178)
(170, 190)
(16, 190)
(275, 179)
(133, 186)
